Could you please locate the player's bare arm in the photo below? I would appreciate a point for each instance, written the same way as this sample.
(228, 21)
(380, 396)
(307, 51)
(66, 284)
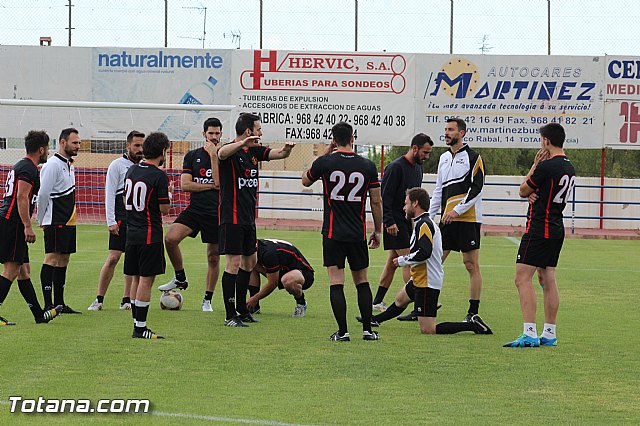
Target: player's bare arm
(164, 208)
(188, 185)
(525, 190)
(231, 148)
(281, 153)
(267, 289)
(24, 189)
(375, 201)
(212, 149)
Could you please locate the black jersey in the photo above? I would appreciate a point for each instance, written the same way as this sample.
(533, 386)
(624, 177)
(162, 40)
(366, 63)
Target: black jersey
(399, 176)
(197, 163)
(553, 181)
(26, 171)
(278, 255)
(145, 188)
(346, 178)
(239, 185)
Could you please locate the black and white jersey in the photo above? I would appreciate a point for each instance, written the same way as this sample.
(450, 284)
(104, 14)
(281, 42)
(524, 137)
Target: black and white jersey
(145, 188)
(57, 196)
(553, 181)
(346, 178)
(197, 163)
(425, 256)
(114, 189)
(399, 176)
(279, 255)
(23, 170)
(239, 185)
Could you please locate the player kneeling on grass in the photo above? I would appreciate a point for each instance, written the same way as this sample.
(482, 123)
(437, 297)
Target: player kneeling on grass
(16, 229)
(427, 273)
(147, 197)
(285, 267)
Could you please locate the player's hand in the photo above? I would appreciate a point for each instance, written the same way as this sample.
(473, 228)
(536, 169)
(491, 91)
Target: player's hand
(392, 230)
(114, 229)
(29, 235)
(395, 262)
(288, 147)
(374, 240)
(541, 155)
(212, 149)
(251, 141)
(449, 216)
(252, 302)
(533, 197)
(331, 147)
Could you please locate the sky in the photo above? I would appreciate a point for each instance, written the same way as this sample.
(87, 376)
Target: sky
(586, 27)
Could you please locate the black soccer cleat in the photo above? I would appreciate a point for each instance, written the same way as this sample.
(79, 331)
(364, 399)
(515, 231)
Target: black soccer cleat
(481, 326)
(468, 317)
(337, 337)
(247, 317)
(4, 321)
(49, 314)
(411, 316)
(374, 323)
(66, 309)
(145, 334)
(370, 335)
(234, 322)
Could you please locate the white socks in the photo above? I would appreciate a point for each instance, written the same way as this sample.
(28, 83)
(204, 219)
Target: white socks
(530, 329)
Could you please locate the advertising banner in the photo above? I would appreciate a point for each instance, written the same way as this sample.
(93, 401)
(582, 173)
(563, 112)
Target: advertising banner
(622, 103)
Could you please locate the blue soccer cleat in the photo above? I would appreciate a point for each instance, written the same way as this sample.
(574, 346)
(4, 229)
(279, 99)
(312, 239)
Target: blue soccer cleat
(545, 341)
(523, 341)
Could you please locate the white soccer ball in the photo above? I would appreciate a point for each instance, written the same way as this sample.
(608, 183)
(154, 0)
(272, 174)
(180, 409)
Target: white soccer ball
(171, 300)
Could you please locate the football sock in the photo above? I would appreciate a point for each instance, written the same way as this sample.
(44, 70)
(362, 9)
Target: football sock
(549, 331)
(301, 300)
(181, 276)
(100, 299)
(454, 327)
(29, 296)
(253, 290)
(46, 280)
(474, 305)
(339, 306)
(229, 293)
(59, 278)
(242, 285)
(365, 304)
(126, 300)
(5, 286)
(142, 309)
(133, 309)
(208, 295)
(530, 329)
(392, 311)
(382, 291)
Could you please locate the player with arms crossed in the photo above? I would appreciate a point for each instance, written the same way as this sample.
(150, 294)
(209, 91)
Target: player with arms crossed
(347, 178)
(551, 179)
(16, 230)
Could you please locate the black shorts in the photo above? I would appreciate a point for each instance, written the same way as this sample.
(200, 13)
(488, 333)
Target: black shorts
(13, 248)
(335, 252)
(426, 301)
(205, 225)
(237, 239)
(119, 242)
(539, 252)
(59, 239)
(145, 260)
(400, 241)
(308, 278)
(410, 289)
(460, 236)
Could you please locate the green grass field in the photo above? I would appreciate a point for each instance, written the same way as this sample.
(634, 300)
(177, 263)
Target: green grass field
(284, 370)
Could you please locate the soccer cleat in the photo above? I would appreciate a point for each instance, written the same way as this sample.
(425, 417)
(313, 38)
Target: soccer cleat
(374, 323)
(300, 311)
(370, 335)
(125, 306)
(49, 314)
(182, 285)
(235, 322)
(411, 316)
(255, 310)
(468, 317)
(545, 341)
(206, 306)
(523, 341)
(66, 309)
(380, 307)
(248, 318)
(145, 334)
(95, 306)
(482, 327)
(337, 337)
(4, 321)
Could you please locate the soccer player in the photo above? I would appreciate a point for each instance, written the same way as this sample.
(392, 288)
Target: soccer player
(458, 198)
(199, 177)
(285, 267)
(238, 168)
(16, 230)
(116, 219)
(426, 273)
(552, 177)
(401, 174)
(147, 197)
(347, 178)
(57, 215)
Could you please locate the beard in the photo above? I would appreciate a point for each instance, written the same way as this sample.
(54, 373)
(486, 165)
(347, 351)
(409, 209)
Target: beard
(451, 141)
(135, 157)
(410, 214)
(42, 159)
(70, 152)
(161, 162)
(417, 159)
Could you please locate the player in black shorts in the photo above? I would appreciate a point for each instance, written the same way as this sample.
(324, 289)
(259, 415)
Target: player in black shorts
(16, 230)
(401, 174)
(238, 166)
(285, 267)
(548, 185)
(147, 197)
(200, 178)
(347, 178)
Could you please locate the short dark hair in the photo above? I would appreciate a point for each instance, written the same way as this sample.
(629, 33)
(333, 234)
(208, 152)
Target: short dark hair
(64, 134)
(245, 121)
(342, 133)
(154, 144)
(420, 139)
(554, 132)
(459, 121)
(211, 122)
(134, 134)
(35, 139)
(421, 196)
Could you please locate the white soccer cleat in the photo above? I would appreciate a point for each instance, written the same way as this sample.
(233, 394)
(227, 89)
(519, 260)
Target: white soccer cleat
(300, 311)
(125, 306)
(380, 307)
(95, 306)
(206, 306)
(174, 283)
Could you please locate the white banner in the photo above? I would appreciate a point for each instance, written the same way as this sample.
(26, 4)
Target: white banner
(622, 103)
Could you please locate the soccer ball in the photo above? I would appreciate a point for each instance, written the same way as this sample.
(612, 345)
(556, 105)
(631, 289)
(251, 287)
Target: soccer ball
(171, 300)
